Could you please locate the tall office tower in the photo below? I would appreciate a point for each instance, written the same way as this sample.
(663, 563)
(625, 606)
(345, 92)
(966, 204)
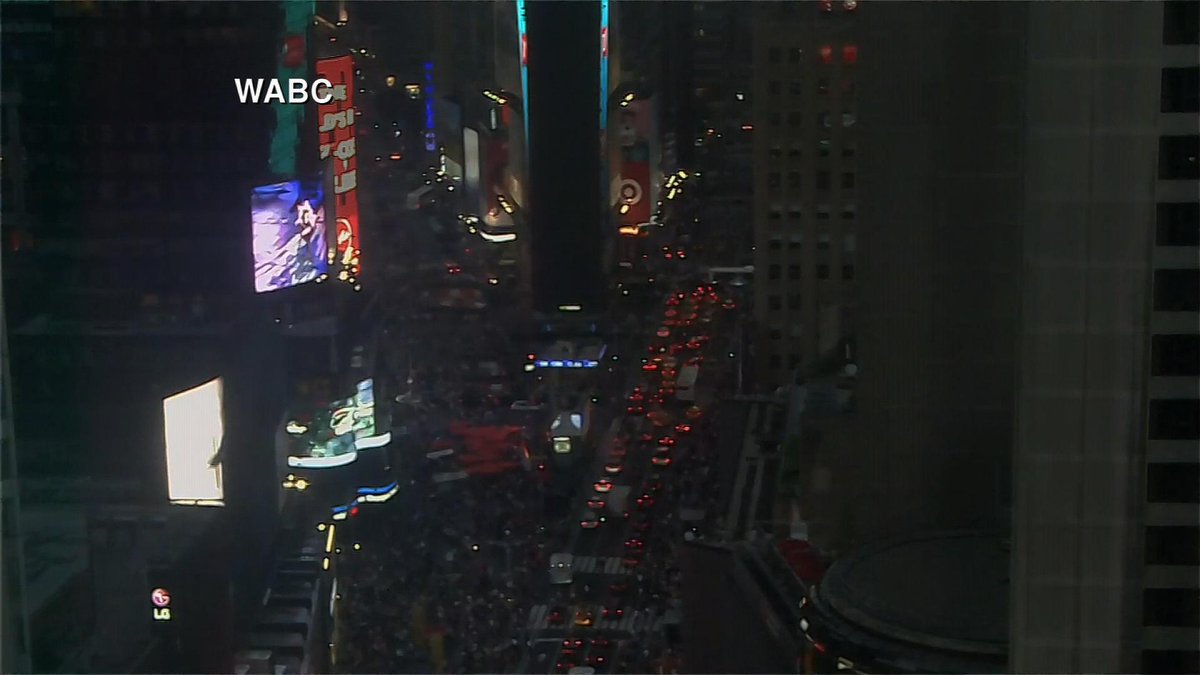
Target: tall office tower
(805, 201)
(14, 647)
(714, 114)
(564, 203)
(1106, 456)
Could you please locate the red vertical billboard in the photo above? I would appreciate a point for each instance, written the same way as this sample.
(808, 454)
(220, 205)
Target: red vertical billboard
(335, 120)
(633, 190)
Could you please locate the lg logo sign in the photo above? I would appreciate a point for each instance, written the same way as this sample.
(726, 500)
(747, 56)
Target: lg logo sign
(161, 600)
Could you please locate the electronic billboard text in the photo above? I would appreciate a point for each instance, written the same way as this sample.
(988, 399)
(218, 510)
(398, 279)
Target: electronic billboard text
(288, 221)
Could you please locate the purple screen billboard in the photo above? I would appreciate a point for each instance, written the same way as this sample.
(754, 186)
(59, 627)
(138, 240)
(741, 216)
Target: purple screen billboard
(288, 221)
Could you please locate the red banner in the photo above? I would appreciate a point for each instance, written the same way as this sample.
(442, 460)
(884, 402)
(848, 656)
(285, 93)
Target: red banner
(335, 121)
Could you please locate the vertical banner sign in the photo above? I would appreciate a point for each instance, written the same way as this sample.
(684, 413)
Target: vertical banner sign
(604, 159)
(335, 123)
(293, 64)
(524, 37)
(633, 183)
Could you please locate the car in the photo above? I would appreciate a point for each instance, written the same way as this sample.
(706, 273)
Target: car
(602, 485)
(635, 410)
(729, 304)
(612, 613)
(661, 458)
(584, 618)
(564, 666)
(671, 313)
(613, 468)
(642, 526)
(667, 441)
(601, 642)
(635, 543)
(525, 406)
(645, 501)
(694, 413)
(636, 397)
(683, 428)
(589, 521)
(595, 504)
(568, 654)
(618, 587)
(556, 616)
(617, 452)
(646, 437)
(454, 269)
(650, 367)
(562, 568)
(653, 486)
(572, 643)
(631, 562)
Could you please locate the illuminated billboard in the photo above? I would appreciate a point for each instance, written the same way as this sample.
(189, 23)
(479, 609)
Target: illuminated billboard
(288, 221)
(338, 145)
(333, 437)
(193, 429)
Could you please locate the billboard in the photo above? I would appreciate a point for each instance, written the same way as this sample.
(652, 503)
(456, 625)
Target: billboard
(333, 436)
(335, 123)
(193, 428)
(633, 192)
(288, 229)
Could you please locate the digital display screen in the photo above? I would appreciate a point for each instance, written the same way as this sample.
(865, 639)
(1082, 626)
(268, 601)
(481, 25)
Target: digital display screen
(290, 248)
(193, 429)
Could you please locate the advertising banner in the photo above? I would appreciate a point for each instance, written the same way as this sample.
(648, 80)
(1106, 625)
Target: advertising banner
(288, 232)
(335, 123)
(633, 188)
(471, 163)
(193, 428)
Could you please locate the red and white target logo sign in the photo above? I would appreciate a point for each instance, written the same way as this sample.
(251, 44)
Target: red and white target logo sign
(631, 192)
(161, 600)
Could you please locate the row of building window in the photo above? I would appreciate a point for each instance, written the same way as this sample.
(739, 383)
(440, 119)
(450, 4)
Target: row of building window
(1171, 607)
(825, 119)
(796, 212)
(825, 55)
(775, 272)
(1177, 290)
(824, 180)
(824, 149)
(1179, 157)
(1173, 483)
(1181, 90)
(796, 242)
(1178, 224)
(796, 88)
(1174, 419)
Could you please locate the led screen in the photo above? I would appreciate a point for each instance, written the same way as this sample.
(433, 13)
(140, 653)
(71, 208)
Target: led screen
(333, 437)
(288, 221)
(193, 430)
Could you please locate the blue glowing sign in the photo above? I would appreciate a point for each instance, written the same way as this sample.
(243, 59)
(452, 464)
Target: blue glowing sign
(430, 136)
(566, 363)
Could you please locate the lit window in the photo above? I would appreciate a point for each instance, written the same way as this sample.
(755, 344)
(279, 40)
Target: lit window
(848, 119)
(850, 5)
(773, 55)
(826, 55)
(850, 54)
(826, 6)
(823, 86)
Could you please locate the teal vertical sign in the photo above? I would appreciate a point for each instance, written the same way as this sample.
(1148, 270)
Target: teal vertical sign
(293, 63)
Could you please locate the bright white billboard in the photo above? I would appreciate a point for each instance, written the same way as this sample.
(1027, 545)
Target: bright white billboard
(193, 430)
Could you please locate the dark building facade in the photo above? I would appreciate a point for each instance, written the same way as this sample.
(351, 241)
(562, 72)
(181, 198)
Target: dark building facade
(564, 205)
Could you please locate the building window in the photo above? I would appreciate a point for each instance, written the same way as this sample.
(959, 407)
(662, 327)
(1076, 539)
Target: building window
(793, 360)
(774, 244)
(794, 54)
(1173, 484)
(794, 150)
(794, 118)
(1171, 661)
(775, 152)
(774, 87)
(1178, 224)
(850, 54)
(1171, 607)
(793, 301)
(848, 119)
(823, 147)
(773, 179)
(796, 241)
(825, 55)
(847, 181)
(823, 212)
(823, 86)
(795, 212)
(847, 90)
(1181, 90)
(824, 120)
(773, 55)
(795, 88)
(850, 243)
(1181, 26)
(1172, 545)
(848, 272)
(823, 241)
(793, 272)
(823, 181)
(1177, 157)
(848, 150)
(794, 180)
(1177, 290)
(822, 271)
(776, 213)
(1174, 419)
(773, 119)
(775, 361)
(774, 303)
(773, 272)
(1175, 355)
(776, 334)
(849, 212)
